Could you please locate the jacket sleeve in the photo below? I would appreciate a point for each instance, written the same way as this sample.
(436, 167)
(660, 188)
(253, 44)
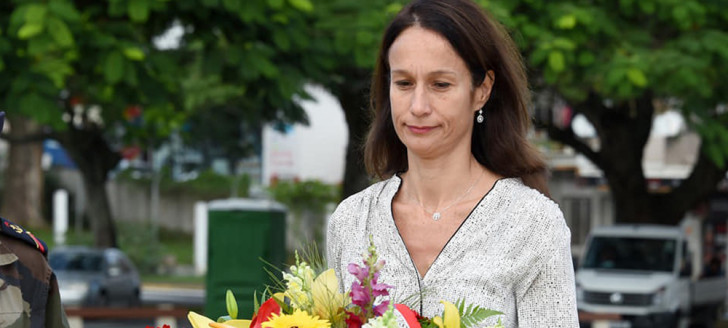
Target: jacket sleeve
(55, 314)
(550, 299)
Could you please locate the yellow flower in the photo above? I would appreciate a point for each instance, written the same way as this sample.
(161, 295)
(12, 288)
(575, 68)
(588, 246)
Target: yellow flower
(200, 321)
(451, 316)
(326, 297)
(298, 319)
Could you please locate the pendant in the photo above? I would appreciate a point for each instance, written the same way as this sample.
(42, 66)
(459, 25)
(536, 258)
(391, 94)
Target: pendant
(436, 216)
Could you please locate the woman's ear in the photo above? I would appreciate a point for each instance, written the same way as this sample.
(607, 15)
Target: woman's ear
(482, 92)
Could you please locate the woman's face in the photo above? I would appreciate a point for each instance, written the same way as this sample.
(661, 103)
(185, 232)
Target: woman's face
(431, 93)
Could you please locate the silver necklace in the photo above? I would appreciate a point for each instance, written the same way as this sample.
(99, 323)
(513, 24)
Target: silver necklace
(438, 214)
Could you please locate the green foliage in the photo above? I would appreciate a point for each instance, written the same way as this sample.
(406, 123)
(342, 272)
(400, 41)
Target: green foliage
(232, 305)
(622, 50)
(207, 185)
(140, 243)
(307, 195)
(471, 315)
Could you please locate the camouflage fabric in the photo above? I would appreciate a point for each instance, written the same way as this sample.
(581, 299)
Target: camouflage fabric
(28, 288)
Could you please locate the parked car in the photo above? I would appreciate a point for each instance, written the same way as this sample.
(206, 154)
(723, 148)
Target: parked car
(645, 275)
(95, 277)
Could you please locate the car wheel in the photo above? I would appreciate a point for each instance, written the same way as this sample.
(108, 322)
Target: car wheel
(104, 300)
(135, 299)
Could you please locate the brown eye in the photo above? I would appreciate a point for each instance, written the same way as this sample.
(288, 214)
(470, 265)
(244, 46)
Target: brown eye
(403, 83)
(442, 85)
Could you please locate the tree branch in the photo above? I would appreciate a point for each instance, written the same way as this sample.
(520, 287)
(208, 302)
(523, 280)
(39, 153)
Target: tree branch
(696, 187)
(566, 136)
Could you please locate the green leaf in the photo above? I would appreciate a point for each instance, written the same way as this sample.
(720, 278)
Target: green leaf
(715, 154)
(276, 4)
(231, 5)
(472, 315)
(566, 22)
(648, 7)
(637, 77)
(393, 8)
(2, 64)
(280, 18)
(60, 32)
(40, 45)
(134, 53)
(36, 14)
(138, 10)
(586, 58)
(114, 67)
(40, 108)
(56, 70)
(564, 43)
(232, 305)
(130, 76)
(29, 30)
(210, 3)
(281, 39)
(64, 10)
(302, 5)
(556, 61)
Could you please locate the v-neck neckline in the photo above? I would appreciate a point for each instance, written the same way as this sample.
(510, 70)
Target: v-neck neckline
(403, 245)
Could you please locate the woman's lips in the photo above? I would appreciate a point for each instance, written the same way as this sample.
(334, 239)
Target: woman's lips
(419, 129)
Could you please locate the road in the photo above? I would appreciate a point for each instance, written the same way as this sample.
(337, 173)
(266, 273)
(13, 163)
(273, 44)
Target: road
(163, 294)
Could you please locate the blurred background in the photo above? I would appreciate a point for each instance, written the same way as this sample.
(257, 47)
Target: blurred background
(167, 129)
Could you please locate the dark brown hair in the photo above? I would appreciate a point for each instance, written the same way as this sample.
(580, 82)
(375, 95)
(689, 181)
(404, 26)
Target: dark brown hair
(500, 143)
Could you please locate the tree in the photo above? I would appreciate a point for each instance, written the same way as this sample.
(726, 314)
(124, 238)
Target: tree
(348, 32)
(620, 63)
(22, 199)
(617, 63)
(78, 67)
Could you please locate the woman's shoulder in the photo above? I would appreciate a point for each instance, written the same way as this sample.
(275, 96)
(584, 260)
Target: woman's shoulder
(532, 210)
(525, 198)
(530, 218)
(363, 201)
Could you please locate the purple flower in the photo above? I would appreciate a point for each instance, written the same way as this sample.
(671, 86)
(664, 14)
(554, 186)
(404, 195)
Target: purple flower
(360, 273)
(359, 295)
(381, 308)
(380, 289)
(366, 289)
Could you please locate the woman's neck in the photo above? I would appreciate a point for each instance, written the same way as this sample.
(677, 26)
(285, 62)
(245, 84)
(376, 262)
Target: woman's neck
(436, 183)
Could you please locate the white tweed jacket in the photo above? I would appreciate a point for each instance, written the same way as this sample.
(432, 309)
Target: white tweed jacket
(511, 254)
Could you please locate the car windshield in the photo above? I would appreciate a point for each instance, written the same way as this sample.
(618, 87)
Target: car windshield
(75, 261)
(643, 254)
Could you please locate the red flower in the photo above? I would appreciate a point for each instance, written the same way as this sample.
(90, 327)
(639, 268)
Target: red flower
(266, 309)
(353, 320)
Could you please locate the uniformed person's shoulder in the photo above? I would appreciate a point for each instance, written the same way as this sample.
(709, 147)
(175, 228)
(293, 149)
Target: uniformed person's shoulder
(12, 231)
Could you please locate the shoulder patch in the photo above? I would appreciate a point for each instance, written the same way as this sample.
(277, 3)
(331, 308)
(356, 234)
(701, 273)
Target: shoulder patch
(13, 230)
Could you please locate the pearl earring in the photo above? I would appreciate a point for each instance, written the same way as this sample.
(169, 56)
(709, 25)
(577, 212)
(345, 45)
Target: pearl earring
(480, 117)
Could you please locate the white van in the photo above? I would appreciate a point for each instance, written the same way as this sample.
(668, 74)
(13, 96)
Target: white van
(646, 276)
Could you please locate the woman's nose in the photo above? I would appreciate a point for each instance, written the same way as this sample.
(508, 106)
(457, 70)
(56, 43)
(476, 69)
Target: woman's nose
(420, 105)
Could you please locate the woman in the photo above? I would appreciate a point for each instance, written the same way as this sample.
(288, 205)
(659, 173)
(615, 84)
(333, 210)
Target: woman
(461, 212)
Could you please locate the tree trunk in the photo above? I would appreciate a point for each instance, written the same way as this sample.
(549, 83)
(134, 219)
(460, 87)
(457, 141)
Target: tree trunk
(354, 100)
(623, 132)
(94, 158)
(23, 190)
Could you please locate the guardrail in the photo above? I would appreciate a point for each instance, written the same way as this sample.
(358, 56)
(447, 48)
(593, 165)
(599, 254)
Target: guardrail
(162, 315)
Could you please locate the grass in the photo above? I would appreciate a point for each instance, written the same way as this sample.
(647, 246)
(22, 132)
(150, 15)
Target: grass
(177, 244)
(72, 238)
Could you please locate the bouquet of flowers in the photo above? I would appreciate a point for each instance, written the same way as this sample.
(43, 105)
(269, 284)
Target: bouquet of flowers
(308, 300)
